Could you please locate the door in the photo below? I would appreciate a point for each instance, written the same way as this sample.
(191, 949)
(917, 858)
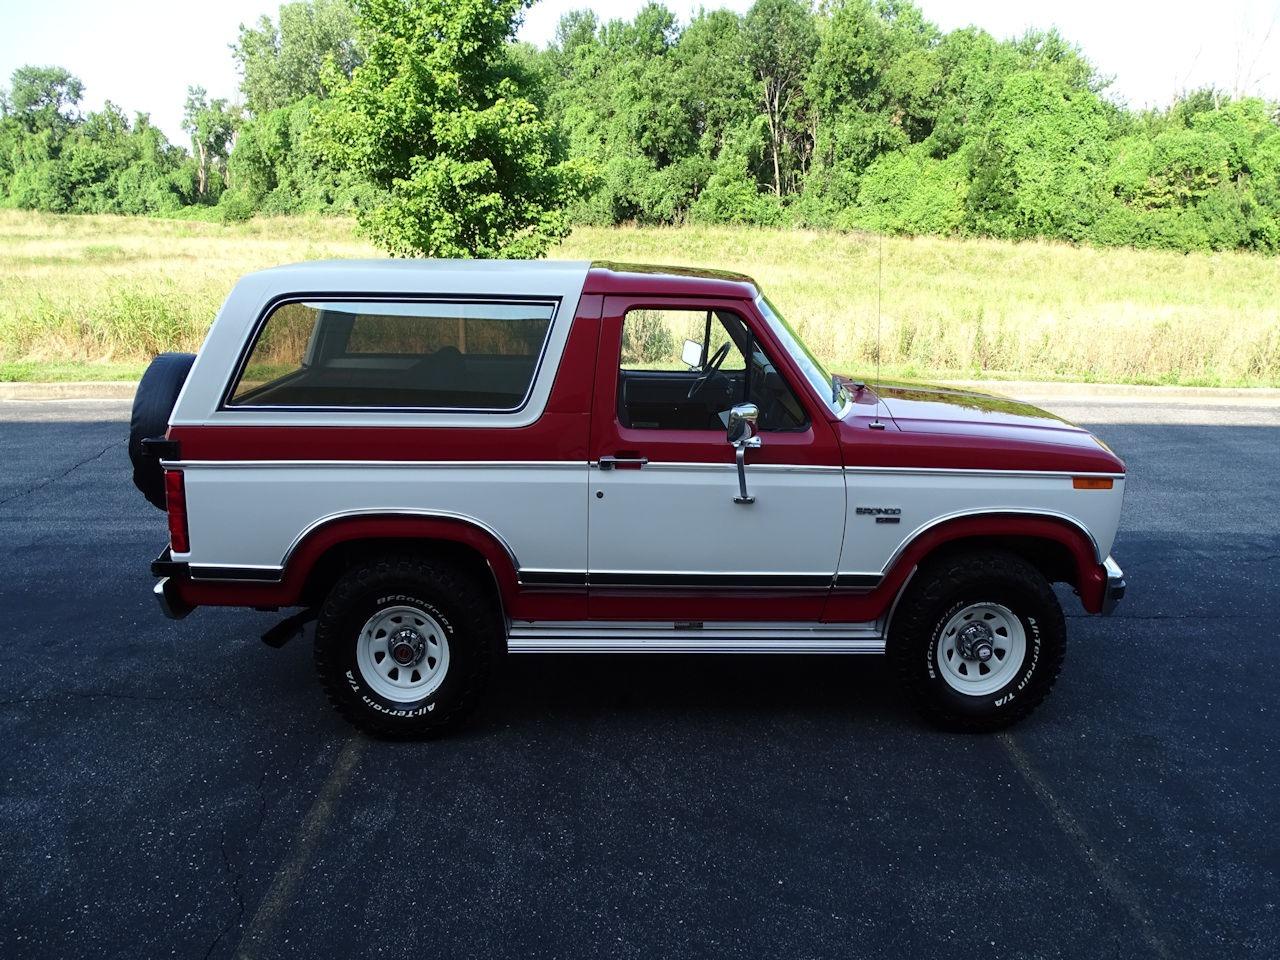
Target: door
(670, 537)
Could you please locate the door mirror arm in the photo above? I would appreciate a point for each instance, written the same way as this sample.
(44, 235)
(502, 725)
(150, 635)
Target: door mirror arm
(743, 435)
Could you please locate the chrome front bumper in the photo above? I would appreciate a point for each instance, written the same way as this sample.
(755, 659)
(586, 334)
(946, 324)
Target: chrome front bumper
(1115, 587)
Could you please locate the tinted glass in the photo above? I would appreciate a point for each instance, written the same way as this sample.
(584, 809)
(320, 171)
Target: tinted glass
(455, 356)
(654, 339)
(659, 390)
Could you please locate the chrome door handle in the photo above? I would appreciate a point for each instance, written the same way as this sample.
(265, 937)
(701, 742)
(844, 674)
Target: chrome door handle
(608, 463)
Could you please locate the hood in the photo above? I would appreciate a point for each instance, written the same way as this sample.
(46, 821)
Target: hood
(921, 405)
(986, 428)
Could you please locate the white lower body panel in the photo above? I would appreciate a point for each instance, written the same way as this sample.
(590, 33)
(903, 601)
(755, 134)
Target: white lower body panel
(601, 637)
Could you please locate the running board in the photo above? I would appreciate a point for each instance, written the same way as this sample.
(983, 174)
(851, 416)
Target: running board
(601, 637)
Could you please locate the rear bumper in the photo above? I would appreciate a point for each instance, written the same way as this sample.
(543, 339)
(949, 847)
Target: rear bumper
(1115, 587)
(171, 604)
(166, 589)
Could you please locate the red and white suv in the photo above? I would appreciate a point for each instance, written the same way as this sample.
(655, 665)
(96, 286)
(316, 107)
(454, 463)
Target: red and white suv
(443, 462)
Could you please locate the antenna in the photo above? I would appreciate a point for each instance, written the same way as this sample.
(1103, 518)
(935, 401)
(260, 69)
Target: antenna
(876, 423)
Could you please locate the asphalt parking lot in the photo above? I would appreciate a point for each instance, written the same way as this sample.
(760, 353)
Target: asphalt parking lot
(183, 790)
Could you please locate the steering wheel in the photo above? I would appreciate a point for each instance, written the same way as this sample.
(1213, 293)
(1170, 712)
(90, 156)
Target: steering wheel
(712, 368)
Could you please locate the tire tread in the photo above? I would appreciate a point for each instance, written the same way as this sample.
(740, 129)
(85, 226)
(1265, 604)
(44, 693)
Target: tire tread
(915, 621)
(473, 621)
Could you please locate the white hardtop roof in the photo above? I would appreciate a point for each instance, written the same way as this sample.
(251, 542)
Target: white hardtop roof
(248, 302)
(506, 277)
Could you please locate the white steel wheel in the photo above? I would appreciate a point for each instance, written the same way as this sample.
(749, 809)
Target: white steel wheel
(403, 654)
(981, 648)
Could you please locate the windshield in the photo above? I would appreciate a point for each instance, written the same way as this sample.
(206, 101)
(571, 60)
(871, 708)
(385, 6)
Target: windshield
(834, 395)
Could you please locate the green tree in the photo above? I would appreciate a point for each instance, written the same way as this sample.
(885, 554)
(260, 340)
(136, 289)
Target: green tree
(460, 164)
(212, 125)
(911, 192)
(874, 84)
(45, 98)
(974, 66)
(780, 42)
(282, 64)
(1038, 168)
(278, 167)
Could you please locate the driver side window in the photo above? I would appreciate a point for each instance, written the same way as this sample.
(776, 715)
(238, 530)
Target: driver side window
(684, 369)
(654, 340)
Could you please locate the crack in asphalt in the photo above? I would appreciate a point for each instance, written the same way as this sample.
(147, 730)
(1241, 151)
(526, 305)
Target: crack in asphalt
(236, 877)
(280, 895)
(70, 470)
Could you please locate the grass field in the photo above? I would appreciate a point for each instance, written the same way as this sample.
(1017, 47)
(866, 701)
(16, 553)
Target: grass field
(95, 297)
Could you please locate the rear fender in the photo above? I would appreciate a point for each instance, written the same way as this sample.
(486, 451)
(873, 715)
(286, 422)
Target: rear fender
(318, 542)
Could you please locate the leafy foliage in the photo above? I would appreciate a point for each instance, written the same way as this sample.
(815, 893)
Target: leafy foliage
(460, 164)
(212, 125)
(865, 115)
(442, 135)
(53, 158)
(282, 64)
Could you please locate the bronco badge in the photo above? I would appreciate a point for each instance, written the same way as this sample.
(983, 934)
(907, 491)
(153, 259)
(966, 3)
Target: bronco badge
(882, 514)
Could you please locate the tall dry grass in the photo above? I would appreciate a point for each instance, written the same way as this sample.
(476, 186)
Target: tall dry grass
(982, 307)
(112, 291)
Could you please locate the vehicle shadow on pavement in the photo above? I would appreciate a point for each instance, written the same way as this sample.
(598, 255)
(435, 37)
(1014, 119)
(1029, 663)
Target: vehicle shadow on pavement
(690, 686)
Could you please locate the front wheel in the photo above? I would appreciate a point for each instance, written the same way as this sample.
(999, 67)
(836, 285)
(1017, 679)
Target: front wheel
(978, 641)
(403, 646)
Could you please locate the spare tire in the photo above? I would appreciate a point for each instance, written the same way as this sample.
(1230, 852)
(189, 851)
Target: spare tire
(152, 404)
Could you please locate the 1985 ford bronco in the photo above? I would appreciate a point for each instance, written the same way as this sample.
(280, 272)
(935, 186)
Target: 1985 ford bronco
(444, 462)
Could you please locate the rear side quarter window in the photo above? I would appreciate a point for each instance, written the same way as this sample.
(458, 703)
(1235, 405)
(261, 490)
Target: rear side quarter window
(368, 354)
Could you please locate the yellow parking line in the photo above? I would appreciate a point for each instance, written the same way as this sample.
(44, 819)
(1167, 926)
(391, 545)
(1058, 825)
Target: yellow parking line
(1114, 883)
(279, 896)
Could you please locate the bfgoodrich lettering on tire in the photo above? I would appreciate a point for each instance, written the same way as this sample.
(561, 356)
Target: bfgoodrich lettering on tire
(403, 645)
(978, 641)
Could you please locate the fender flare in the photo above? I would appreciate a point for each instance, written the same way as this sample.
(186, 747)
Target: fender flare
(332, 531)
(1090, 575)
(356, 525)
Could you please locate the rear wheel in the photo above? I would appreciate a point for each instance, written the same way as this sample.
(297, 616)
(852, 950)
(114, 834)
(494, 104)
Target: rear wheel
(404, 645)
(978, 641)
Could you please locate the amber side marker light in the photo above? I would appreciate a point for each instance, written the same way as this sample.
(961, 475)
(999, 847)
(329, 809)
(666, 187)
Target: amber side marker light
(1092, 483)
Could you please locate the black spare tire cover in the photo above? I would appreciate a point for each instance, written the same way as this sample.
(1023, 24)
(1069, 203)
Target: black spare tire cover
(152, 404)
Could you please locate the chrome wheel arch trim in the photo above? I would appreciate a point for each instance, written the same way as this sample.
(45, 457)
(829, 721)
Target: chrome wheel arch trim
(405, 512)
(990, 512)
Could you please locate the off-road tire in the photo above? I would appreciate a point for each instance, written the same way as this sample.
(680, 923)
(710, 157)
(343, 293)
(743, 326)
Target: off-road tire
(152, 405)
(940, 591)
(449, 596)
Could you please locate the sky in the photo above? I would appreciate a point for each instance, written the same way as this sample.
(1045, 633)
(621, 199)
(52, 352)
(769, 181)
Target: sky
(142, 54)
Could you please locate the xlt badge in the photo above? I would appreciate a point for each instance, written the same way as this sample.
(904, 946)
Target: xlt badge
(882, 514)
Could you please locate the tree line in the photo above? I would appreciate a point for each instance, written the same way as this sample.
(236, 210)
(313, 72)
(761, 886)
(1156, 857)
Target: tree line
(427, 121)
